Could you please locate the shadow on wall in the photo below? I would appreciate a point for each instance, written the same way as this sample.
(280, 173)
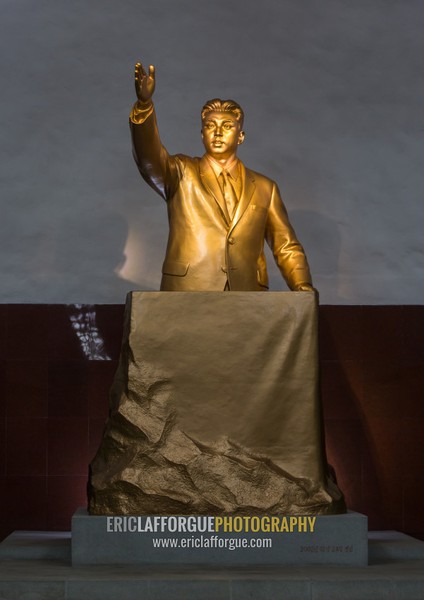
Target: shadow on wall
(320, 236)
(83, 258)
(349, 441)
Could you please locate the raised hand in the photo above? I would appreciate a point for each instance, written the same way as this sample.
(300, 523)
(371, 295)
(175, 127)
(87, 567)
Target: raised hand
(144, 84)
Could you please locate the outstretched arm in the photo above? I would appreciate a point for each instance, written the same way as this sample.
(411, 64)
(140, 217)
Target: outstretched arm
(156, 166)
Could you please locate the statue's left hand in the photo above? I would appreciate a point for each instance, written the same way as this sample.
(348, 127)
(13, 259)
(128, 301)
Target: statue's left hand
(307, 287)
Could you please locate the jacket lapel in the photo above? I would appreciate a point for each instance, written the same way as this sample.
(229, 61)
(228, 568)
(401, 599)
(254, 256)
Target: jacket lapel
(246, 194)
(211, 184)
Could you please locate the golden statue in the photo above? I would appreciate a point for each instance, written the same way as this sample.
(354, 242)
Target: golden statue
(219, 211)
(220, 413)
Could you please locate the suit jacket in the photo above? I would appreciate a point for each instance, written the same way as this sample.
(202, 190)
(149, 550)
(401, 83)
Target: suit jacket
(205, 248)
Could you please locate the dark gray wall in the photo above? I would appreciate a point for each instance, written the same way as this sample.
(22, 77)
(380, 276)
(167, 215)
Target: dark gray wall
(333, 91)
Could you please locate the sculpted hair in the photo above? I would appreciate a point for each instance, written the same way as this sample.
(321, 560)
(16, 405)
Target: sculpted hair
(223, 106)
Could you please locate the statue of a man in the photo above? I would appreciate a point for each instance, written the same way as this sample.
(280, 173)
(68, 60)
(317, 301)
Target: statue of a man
(219, 211)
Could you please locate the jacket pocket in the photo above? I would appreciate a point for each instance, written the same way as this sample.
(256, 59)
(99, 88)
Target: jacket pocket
(175, 267)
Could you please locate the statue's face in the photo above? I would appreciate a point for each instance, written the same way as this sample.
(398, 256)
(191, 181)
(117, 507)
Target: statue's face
(221, 134)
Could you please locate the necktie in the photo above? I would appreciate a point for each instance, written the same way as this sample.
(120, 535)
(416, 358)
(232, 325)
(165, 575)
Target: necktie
(231, 199)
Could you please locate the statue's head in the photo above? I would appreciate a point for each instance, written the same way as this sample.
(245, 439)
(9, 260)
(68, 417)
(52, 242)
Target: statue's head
(222, 123)
(218, 105)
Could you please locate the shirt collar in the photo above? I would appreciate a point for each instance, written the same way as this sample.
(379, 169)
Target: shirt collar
(232, 168)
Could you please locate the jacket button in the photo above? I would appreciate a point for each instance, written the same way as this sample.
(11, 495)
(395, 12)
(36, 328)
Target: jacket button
(231, 240)
(223, 269)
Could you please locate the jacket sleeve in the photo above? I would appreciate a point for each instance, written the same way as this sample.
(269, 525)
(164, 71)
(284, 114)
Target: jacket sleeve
(157, 167)
(286, 248)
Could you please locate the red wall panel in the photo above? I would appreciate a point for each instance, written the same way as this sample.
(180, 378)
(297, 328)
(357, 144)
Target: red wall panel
(57, 363)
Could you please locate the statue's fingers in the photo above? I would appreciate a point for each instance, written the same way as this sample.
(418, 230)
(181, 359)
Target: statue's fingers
(140, 69)
(137, 74)
(152, 71)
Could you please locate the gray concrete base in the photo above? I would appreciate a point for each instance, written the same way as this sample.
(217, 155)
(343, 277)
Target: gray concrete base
(395, 572)
(37, 545)
(322, 540)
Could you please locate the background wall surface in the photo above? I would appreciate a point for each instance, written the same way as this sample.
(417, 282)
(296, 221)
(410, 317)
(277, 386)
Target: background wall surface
(333, 92)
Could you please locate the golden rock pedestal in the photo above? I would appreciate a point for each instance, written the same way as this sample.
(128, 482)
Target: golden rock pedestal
(215, 409)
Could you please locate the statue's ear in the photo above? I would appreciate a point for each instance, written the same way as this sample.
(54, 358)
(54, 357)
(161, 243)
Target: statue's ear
(240, 137)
